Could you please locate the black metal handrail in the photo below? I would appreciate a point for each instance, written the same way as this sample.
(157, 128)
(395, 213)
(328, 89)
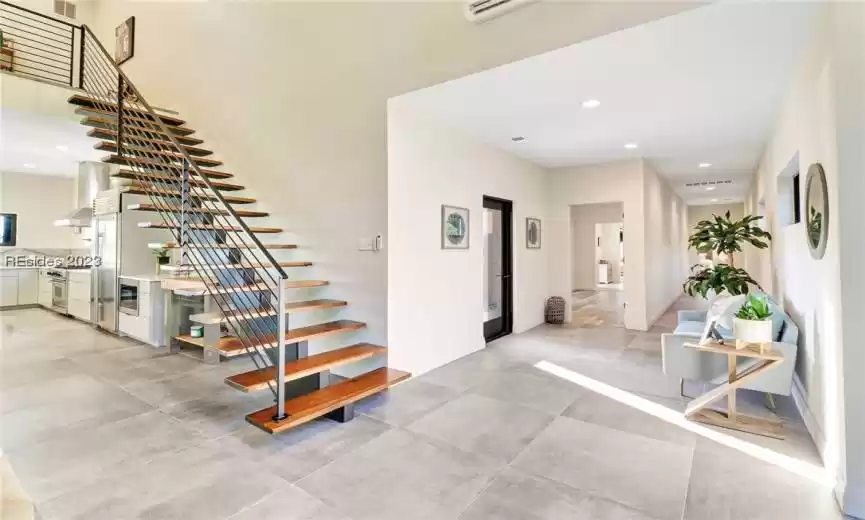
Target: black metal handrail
(39, 46)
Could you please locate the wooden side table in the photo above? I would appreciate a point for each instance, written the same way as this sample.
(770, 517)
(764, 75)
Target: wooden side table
(698, 409)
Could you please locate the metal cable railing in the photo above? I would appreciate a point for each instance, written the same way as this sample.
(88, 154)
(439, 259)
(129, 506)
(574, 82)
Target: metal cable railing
(39, 46)
(207, 229)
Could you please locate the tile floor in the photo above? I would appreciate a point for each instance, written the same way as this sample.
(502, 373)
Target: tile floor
(101, 428)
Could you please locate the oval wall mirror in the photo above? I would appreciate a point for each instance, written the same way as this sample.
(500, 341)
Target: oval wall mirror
(816, 211)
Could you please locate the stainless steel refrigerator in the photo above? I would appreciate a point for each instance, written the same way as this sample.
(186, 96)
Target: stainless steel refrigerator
(106, 248)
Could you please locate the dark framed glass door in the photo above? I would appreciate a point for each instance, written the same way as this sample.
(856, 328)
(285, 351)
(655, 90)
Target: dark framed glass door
(498, 263)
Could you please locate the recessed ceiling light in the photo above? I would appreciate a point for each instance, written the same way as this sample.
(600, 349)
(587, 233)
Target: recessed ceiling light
(714, 200)
(591, 103)
(705, 165)
(30, 166)
(710, 188)
(518, 138)
(631, 146)
(62, 147)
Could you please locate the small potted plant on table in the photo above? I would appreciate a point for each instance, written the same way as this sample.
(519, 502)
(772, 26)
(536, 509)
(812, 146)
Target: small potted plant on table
(753, 324)
(163, 257)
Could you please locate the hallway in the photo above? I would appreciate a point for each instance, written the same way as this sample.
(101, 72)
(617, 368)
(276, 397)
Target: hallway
(489, 436)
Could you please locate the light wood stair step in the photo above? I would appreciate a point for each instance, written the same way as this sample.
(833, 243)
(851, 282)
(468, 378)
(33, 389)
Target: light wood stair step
(101, 103)
(158, 191)
(158, 177)
(133, 147)
(137, 119)
(215, 267)
(315, 404)
(199, 211)
(108, 122)
(189, 143)
(174, 245)
(197, 285)
(231, 344)
(212, 318)
(151, 165)
(256, 380)
(208, 227)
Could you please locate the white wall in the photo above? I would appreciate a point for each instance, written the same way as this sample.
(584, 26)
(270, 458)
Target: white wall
(583, 246)
(707, 212)
(39, 200)
(823, 119)
(664, 221)
(435, 297)
(296, 105)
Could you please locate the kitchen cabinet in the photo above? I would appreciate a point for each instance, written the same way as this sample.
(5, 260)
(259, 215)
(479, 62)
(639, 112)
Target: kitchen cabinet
(78, 294)
(8, 288)
(148, 324)
(28, 287)
(18, 287)
(45, 289)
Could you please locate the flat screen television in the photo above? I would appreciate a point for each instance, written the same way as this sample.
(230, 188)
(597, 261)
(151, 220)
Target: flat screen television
(8, 229)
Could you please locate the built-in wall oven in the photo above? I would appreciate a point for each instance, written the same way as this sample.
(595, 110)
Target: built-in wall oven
(129, 296)
(58, 290)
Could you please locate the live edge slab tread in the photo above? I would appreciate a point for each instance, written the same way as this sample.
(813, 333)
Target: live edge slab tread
(256, 380)
(232, 346)
(315, 404)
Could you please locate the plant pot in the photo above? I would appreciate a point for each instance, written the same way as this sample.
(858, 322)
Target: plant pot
(751, 331)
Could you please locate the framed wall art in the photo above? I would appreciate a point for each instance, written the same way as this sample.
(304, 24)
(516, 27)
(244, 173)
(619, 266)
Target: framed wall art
(455, 227)
(533, 233)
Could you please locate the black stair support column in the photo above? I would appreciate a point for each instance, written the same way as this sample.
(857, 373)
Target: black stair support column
(343, 415)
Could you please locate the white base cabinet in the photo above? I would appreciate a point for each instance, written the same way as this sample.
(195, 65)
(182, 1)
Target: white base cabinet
(149, 325)
(19, 287)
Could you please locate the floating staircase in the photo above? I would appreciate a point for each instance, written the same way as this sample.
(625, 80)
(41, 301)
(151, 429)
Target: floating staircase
(246, 289)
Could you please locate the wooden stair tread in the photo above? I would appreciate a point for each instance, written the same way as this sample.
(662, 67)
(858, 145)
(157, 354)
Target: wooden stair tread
(174, 245)
(207, 227)
(147, 189)
(256, 380)
(158, 177)
(213, 267)
(189, 143)
(203, 211)
(320, 402)
(98, 121)
(134, 148)
(289, 284)
(212, 318)
(97, 103)
(160, 166)
(231, 343)
(139, 119)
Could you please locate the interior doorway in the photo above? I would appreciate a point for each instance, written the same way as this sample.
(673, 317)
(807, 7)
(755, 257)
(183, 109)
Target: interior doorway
(498, 268)
(609, 255)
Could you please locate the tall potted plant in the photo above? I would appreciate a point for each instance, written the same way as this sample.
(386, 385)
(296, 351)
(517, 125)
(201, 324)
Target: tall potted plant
(721, 235)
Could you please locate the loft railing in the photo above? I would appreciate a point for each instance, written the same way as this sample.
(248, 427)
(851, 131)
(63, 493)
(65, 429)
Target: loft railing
(215, 244)
(39, 47)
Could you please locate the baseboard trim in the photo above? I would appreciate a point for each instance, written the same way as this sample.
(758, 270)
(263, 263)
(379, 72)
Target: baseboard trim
(654, 320)
(811, 424)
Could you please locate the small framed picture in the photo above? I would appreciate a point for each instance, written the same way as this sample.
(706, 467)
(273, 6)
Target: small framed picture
(533, 233)
(710, 332)
(455, 227)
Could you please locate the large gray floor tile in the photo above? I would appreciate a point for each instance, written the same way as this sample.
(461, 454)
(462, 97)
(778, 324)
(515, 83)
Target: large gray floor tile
(469, 371)
(531, 387)
(289, 503)
(62, 464)
(398, 476)
(727, 484)
(598, 409)
(483, 426)
(406, 402)
(517, 496)
(300, 451)
(643, 473)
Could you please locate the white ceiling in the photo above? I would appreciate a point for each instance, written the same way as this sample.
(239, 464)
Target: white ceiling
(701, 86)
(34, 119)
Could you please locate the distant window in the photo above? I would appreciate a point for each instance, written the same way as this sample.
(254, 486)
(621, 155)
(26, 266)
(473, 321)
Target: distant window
(8, 229)
(64, 8)
(797, 200)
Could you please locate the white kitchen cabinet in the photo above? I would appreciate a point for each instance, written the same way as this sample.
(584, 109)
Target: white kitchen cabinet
(28, 286)
(45, 289)
(8, 288)
(78, 294)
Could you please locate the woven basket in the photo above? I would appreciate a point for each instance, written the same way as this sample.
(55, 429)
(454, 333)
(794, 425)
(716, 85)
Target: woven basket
(555, 311)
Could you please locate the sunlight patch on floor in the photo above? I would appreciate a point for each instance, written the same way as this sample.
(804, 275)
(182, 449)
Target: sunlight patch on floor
(805, 469)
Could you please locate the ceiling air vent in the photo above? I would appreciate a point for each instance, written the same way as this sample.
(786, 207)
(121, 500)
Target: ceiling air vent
(479, 11)
(702, 184)
(64, 8)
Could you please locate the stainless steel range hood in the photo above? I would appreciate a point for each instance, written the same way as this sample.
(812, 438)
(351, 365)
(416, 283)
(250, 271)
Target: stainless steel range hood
(93, 177)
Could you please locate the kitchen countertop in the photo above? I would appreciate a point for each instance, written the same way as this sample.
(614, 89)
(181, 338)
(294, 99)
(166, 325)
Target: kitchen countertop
(153, 278)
